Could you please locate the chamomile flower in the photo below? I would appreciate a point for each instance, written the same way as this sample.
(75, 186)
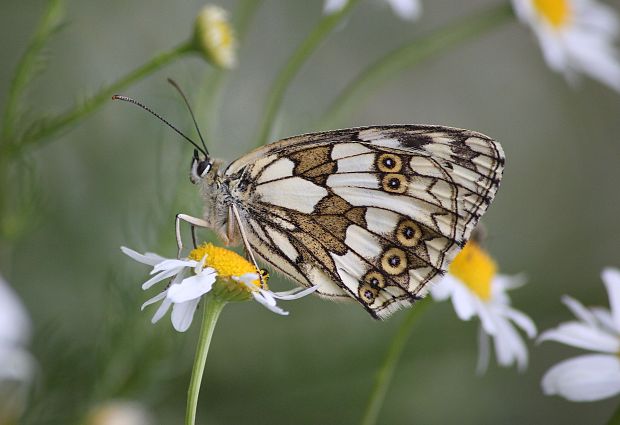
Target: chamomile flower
(405, 9)
(211, 269)
(17, 366)
(214, 36)
(595, 376)
(576, 36)
(476, 289)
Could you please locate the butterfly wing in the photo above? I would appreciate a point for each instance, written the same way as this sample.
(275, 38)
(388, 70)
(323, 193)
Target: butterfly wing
(372, 213)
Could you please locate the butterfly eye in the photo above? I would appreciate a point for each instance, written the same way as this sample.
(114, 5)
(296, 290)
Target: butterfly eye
(193, 171)
(203, 168)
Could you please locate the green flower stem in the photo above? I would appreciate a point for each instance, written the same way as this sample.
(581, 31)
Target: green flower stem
(411, 54)
(615, 417)
(208, 101)
(212, 311)
(385, 373)
(292, 67)
(91, 104)
(29, 65)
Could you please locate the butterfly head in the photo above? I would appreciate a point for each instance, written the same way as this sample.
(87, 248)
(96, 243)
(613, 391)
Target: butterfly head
(200, 168)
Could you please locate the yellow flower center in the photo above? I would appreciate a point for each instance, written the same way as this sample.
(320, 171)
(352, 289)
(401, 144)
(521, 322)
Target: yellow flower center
(556, 12)
(475, 268)
(227, 263)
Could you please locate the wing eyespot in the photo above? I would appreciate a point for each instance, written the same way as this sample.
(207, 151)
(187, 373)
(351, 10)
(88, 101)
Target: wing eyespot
(389, 163)
(394, 261)
(408, 233)
(374, 279)
(367, 293)
(394, 183)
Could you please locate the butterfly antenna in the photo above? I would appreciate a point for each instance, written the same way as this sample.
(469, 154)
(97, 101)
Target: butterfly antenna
(189, 108)
(146, 108)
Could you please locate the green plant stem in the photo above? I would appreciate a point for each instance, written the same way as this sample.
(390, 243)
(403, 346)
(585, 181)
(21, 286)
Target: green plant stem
(208, 101)
(615, 417)
(212, 311)
(292, 67)
(27, 65)
(386, 372)
(411, 54)
(91, 104)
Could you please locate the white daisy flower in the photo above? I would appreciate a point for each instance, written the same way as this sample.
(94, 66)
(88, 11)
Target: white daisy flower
(588, 377)
(237, 277)
(576, 36)
(476, 290)
(17, 366)
(405, 9)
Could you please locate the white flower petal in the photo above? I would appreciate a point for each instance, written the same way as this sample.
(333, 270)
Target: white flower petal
(579, 310)
(521, 320)
(505, 282)
(173, 264)
(159, 277)
(406, 9)
(268, 301)
(183, 313)
(443, 289)
(484, 351)
(584, 378)
(192, 287)
(464, 302)
(334, 6)
(162, 310)
(509, 345)
(603, 316)
(611, 278)
(486, 316)
(148, 258)
(16, 364)
(15, 326)
(294, 293)
(553, 51)
(247, 279)
(582, 336)
(153, 300)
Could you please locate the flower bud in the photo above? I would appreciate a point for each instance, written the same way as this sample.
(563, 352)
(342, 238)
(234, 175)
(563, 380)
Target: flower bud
(214, 37)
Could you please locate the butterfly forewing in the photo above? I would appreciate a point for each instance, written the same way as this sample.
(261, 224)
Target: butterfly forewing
(373, 213)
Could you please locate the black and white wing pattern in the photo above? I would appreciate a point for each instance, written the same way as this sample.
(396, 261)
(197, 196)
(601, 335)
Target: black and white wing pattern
(374, 213)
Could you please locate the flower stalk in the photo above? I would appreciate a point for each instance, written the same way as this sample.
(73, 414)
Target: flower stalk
(59, 123)
(293, 66)
(385, 68)
(384, 376)
(615, 417)
(212, 309)
(29, 65)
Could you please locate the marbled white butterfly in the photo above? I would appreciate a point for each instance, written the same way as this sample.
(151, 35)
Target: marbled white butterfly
(374, 214)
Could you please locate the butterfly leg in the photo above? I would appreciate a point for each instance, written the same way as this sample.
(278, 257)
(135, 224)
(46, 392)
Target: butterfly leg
(193, 222)
(246, 243)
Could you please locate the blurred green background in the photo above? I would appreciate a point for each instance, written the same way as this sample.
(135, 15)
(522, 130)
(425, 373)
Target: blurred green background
(118, 177)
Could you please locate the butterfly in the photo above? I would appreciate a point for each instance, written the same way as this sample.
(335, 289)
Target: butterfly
(374, 214)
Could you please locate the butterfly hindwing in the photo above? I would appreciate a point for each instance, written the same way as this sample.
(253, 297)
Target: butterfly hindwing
(374, 213)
